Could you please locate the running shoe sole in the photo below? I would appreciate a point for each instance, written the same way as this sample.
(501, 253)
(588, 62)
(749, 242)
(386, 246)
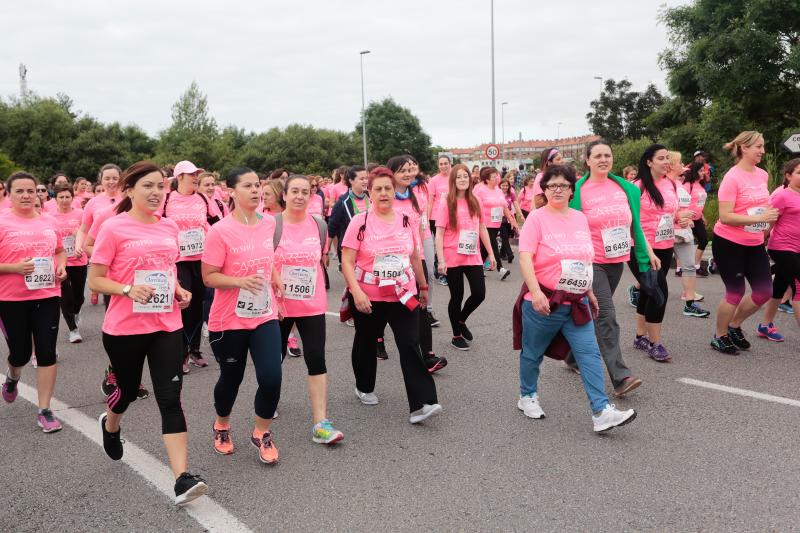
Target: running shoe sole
(766, 336)
(336, 438)
(416, 419)
(464, 349)
(632, 384)
(703, 314)
(438, 366)
(623, 423)
(192, 494)
(53, 430)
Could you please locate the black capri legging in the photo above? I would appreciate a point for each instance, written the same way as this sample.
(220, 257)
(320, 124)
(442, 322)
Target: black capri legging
(455, 282)
(737, 263)
(700, 234)
(31, 324)
(162, 349)
(72, 298)
(312, 333)
(493, 233)
(191, 279)
(654, 314)
(787, 273)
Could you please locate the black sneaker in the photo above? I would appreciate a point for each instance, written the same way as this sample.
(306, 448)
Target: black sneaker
(692, 309)
(460, 344)
(142, 393)
(434, 322)
(433, 363)
(724, 345)
(381, 352)
(737, 337)
(702, 272)
(466, 333)
(109, 384)
(112, 444)
(510, 259)
(188, 488)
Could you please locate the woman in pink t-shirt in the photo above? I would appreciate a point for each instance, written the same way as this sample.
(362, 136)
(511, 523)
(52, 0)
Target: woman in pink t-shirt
(738, 245)
(301, 252)
(32, 263)
(238, 262)
(271, 198)
(106, 194)
(437, 188)
(494, 211)
(526, 196)
(507, 230)
(556, 251)
(316, 202)
(461, 226)
(784, 249)
(134, 262)
(693, 180)
(420, 182)
(72, 288)
(549, 156)
(381, 265)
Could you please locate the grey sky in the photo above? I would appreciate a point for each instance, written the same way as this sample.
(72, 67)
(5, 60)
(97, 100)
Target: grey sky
(265, 64)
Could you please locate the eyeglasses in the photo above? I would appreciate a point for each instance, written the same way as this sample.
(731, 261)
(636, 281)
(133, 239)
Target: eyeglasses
(557, 187)
(43, 189)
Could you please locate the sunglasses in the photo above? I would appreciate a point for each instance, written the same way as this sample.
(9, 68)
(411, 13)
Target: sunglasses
(41, 190)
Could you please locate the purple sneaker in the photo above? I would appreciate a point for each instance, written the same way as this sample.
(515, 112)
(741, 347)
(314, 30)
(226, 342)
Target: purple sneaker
(659, 353)
(10, 390)
(642, 343)
(48, 422)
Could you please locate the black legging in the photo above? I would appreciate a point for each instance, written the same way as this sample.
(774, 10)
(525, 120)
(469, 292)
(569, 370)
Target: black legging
(505, 240)
(72, 297)
(652, 313)
(700, 234)
(312, 334)
(787, 273)
(477, 289)
(425, 331)
(493, 232)
(191, 279)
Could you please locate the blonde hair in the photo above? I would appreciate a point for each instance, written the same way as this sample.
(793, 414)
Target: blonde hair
(627, 170)
(746, 138)
(674, 158)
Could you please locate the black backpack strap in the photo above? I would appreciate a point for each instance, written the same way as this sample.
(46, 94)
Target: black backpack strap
(323, 231)
(276, 237)
(363, 227)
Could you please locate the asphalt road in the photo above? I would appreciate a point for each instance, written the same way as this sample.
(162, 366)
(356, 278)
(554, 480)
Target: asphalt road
(694, 459)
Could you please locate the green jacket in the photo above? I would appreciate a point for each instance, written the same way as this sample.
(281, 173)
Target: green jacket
(634, 195)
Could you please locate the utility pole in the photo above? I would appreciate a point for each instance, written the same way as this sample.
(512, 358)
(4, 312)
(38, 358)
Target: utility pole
(363, 109)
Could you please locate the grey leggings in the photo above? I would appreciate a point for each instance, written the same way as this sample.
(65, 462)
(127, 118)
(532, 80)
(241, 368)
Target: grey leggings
(684, 252)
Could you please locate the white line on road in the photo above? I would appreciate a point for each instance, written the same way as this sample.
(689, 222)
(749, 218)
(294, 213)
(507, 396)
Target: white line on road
(208, 513)
(741, 392)
(332, 314)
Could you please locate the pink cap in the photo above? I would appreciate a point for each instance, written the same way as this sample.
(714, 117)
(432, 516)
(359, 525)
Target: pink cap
(185, 167)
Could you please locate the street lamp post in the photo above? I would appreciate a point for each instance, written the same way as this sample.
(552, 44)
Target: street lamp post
(491, 18)
(558, 131)
(362, 53)
(503, 131)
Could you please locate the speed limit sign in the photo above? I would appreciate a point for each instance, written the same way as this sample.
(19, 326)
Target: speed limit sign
(492, 151)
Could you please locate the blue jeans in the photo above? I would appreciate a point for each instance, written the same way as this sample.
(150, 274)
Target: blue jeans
(538, 331)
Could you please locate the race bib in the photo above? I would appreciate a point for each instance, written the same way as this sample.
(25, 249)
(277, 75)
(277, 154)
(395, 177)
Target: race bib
(685, 234)
(467, 242)
(43, 275)
(163, 283)
(665, 230)
(423, 221)
(299, 282)
(389, 266)
(684, 198)
(249, 305)
(701, 199)
(576, 276)
(496, 214)
(758, 227)
(191, 241)
(69, 245)
(616, 241)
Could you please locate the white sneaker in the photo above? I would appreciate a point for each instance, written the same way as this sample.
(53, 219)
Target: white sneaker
(75, 336)
(367, 398)
(350, 322)
(34, 362)
(611, 417)
(426, 412)
(530, 406)
(204, 330)
(504, 273)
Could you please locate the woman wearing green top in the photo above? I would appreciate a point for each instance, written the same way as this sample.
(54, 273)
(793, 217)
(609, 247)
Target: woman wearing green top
(611, 206)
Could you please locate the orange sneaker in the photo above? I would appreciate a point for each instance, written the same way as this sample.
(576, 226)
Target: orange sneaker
(222, 440)
(267, 451)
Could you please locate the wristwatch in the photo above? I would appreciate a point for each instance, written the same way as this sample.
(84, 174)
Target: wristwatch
(126, 290)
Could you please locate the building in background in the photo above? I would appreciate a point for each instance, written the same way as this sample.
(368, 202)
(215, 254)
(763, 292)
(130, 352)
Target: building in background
(515, 153)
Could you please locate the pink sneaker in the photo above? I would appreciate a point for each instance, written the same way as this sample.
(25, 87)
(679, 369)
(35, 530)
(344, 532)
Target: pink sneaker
(48, 422)
(293, 347)
(10, 390)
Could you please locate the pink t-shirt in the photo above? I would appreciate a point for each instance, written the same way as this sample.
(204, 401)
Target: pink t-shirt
(22, 238)
(388, 245)
(749, 194)
(438, 187)
(537, 184)
(562, 249)
(50, 206)
(99, 218)
(421, 193)
(605, 205)
(67, 226)
(139, 253)
(5, 203)
(461, 244)
(315, 205)
(785, 233)
(526, 198)
(405, 207)
(81, 199)
(240, 250)
(698, 196)
(96, 204)
(297, 258)
(189, 212)
(492, 203)
(658, 223)
(338, 189)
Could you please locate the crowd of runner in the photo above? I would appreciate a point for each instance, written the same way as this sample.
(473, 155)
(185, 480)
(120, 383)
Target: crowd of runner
(180, 253)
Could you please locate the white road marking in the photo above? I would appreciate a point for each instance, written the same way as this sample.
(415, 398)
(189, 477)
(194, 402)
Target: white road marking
(741, 392)
(332, 314)
(208, 513)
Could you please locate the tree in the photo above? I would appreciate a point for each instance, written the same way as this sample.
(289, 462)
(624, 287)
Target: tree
(628, 153)
(620, 113)
(7, 166)
(732, 65)
(193, 133)
(394, 130)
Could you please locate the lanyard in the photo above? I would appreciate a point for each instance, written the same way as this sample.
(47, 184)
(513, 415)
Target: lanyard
(353, 203)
